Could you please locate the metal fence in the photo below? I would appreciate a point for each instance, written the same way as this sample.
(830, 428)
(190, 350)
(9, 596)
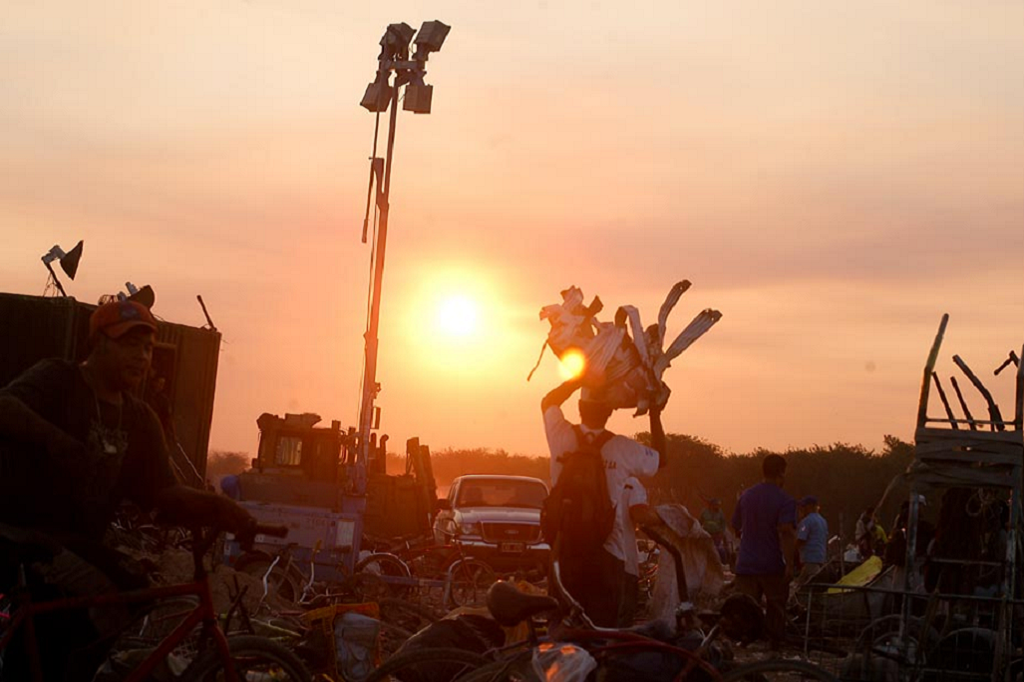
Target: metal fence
(870, 633)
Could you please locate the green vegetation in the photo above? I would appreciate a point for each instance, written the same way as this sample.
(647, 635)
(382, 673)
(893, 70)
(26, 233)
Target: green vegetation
(845, 478)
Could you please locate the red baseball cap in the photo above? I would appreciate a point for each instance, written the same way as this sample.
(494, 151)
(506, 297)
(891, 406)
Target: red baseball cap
(117, 318)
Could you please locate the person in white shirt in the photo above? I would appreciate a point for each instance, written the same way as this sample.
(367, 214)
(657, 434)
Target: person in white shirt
(598, 583)
(634, 510)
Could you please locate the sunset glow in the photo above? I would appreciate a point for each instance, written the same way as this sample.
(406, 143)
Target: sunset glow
(832, 176)
(457, 316)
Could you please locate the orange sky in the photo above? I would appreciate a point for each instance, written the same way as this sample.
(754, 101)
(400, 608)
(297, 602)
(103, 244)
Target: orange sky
(831, 176)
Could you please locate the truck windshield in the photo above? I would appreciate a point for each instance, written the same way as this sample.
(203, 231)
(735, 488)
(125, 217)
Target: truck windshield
(501, 493)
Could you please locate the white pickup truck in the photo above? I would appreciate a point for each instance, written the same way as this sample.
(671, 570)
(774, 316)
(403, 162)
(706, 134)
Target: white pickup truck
(496, 519)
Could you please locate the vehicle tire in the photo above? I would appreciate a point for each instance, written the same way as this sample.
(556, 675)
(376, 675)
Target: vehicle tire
(468, 581)
(381, 565)
(778, 670)
(255, 658)
(428, 665)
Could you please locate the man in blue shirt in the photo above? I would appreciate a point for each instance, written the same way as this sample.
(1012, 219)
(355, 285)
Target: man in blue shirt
(811, 540)
(765, 520)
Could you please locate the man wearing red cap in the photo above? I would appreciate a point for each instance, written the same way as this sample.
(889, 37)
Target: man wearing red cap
(74, 443)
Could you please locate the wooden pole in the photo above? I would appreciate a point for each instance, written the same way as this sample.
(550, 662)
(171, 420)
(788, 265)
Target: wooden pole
(993, 409)
(963, 404)
(922, 403)
(945, 403)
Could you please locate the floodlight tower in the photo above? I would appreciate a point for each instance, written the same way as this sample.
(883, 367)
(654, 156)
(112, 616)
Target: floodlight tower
(409, 71)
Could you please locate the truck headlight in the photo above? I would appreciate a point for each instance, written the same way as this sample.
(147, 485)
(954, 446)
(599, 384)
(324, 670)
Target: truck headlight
(469, 528)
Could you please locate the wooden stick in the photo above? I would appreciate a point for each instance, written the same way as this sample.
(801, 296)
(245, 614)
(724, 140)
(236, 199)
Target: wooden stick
(993, 409)
(922, 403)
(963, 404)
(945, 403)
(1019, 418)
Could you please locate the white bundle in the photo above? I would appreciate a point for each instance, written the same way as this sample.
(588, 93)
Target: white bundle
(624, 364)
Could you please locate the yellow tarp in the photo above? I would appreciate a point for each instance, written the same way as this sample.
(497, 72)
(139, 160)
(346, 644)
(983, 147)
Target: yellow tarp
(861, 575)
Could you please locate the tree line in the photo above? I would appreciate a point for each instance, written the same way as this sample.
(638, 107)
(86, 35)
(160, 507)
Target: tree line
(845, 478)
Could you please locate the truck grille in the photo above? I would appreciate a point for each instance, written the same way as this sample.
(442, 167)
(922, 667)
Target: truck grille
(511, 532)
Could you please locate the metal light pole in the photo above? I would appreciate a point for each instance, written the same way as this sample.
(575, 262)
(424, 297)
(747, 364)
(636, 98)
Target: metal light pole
(380, 94)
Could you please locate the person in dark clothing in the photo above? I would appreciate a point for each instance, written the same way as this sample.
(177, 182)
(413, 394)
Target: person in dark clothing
(765, 520)
(75, 443)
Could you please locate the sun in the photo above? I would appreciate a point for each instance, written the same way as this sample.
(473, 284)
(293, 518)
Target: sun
(457, 316)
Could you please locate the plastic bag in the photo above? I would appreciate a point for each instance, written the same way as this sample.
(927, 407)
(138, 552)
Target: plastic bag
(356, 639)
(562, 663)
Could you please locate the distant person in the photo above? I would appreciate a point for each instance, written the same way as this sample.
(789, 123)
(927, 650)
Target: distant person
(864, 533)
(811, 540)
(765, 520)
(231, 485)
(712, 520)
(896, 549)
(596, 581)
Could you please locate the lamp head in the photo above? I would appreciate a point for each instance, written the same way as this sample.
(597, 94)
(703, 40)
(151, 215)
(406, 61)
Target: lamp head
(430, 39)
(395, 42)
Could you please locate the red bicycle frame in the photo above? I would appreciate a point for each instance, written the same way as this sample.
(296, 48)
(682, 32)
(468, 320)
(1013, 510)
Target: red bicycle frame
(203, 613)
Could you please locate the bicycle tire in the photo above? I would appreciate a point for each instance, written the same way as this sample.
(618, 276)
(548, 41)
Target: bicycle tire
(468, 582)
(778, 669)
(382, 565)
(404, 662)
(248, 652)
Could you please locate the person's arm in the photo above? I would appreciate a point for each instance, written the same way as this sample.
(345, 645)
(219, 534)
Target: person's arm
(559, 394)
(802, 535)
(20, 422)
(787, 540)
(183, 506)
(737, 518)
(658, 441)
(644, 515)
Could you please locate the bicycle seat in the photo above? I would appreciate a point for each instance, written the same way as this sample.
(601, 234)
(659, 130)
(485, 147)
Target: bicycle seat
(24, 546)
(510, 606)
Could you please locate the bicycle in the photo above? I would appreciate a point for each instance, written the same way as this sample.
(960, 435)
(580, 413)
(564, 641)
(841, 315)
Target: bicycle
(420, 562)
(616, 652)
(220, 657)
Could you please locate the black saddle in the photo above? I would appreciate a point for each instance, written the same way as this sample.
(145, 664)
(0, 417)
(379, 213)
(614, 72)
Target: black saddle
(510, 606)
(24, 546)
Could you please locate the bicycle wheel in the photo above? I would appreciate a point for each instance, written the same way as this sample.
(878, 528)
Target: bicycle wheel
(428, 665)
(778, 670)
(468, 582)
(282, 581)
(255, 658)
(379, 567)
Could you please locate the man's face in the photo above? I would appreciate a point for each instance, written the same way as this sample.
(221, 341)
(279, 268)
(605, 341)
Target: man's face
(125, 360)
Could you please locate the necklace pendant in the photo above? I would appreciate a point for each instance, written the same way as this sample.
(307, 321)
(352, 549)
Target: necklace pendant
(109, 448)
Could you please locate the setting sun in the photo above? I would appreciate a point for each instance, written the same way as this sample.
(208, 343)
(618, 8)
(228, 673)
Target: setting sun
(457, 316)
